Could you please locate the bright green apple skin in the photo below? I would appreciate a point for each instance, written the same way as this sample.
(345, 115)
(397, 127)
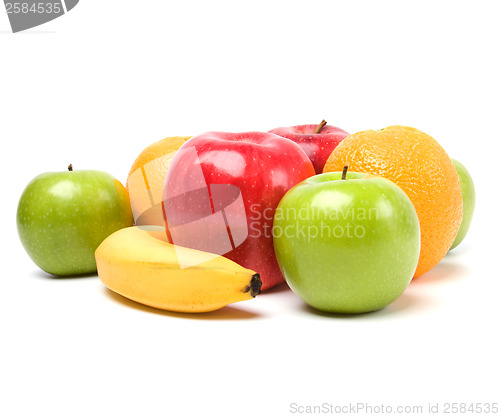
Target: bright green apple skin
(360, 244)
(469, 201)
(62, 217)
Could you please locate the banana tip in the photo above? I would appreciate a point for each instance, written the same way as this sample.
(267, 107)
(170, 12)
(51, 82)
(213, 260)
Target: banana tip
(255, 285)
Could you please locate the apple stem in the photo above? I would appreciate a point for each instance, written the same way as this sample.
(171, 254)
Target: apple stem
(344, 172)
(70, 167)
(320, 126)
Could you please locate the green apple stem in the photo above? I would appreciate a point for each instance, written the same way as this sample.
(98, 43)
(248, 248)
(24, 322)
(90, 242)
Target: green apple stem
(320, 126)
(344, 172)
(70, 167)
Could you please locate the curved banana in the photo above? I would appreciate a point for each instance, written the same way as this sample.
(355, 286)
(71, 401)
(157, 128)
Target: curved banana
(141, 265)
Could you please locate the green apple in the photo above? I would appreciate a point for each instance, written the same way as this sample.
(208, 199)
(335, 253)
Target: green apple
(62, 217)
(469, 201)
(347, 243)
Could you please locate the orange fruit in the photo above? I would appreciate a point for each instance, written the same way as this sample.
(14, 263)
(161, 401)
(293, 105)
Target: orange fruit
(420, 166)
(146, 177)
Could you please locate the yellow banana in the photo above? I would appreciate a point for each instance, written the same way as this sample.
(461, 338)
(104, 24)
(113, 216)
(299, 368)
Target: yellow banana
(141, 265)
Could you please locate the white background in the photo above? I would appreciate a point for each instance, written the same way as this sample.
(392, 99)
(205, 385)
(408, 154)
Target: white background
(98, 85)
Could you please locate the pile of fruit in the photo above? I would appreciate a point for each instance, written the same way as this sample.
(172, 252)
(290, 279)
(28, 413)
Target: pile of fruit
(346, 220)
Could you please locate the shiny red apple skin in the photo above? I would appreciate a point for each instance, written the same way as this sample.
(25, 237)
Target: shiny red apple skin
(317, 146)
(241, 175)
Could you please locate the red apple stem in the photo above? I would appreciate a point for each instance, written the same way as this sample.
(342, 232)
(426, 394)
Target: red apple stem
(344, 172)
(320, 126)
(70, 167)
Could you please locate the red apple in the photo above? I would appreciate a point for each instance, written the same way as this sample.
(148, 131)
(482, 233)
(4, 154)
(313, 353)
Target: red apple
(318, 141)
(221, 192)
